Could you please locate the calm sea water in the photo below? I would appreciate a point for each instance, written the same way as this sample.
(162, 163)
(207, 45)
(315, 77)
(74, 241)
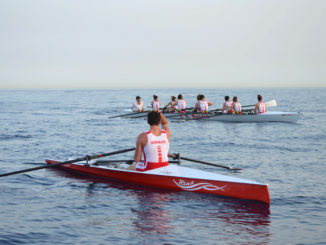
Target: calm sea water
(51, 206)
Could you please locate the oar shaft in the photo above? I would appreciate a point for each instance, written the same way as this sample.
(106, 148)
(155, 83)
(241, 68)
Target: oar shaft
(176, 156)
(68, 162)
(204, 162)
(124, 115)
(107, 162)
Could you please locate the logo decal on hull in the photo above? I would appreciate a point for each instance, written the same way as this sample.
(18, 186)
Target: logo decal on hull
(191, 186)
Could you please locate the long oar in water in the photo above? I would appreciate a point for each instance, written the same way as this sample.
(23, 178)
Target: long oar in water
(133, 113)
(86, 158)
(169, 114)
(177, 156)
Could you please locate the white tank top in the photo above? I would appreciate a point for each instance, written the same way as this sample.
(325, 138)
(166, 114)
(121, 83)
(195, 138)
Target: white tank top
(157, 148)
(182, 104)
(237, 107)
(261, 107)
(156, 105)
(137, 107)
(203, 106)
(228, 105)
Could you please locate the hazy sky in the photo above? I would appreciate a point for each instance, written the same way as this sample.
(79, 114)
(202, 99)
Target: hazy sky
(168, 43)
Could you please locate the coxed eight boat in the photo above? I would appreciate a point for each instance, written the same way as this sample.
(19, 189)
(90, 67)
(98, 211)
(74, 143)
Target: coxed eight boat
(271, 116)
(178, 178)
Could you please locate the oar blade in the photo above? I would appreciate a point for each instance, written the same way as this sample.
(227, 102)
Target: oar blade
(271, 103)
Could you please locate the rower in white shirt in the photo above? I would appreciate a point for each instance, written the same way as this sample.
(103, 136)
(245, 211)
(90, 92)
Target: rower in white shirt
(236, 106)
(155, 103)
(138, 106)
(227, 105)
(172, 105)
(202, 105)
(182, 104)
(153, 144)
(260, 106)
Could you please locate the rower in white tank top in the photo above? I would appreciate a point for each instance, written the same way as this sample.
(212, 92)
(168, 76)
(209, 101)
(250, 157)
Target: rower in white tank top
(182, 105)
(156, 105)
(228, 106)
(155, 152)
(237, 107)
(203, 106)
(261, 107)
(137, 107)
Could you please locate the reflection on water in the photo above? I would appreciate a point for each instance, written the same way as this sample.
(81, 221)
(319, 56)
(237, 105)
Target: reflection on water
(151, 214)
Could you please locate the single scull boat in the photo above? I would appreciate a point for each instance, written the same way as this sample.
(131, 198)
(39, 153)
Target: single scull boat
(178, 178)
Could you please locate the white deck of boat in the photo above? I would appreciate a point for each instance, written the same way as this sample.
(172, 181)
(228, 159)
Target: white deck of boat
(185, 172)
(180, 171)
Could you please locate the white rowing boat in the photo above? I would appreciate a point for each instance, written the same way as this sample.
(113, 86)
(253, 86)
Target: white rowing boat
(178, 178)
(271, 116)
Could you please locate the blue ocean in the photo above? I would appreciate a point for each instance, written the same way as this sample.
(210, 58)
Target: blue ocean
(51, 206)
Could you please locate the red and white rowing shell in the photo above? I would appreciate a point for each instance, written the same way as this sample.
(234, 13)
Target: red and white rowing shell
(178, 178)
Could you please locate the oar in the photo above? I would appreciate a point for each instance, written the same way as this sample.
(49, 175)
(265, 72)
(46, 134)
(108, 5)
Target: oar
(270, 103)
(168, 116)
(123, 115)
(68, 162)
(173, 114)
(108, 162)
(177, 156)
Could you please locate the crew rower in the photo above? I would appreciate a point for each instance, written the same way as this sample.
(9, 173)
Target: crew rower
(154, 144)
(260, 106)
(182, 104)
(203, 104)
(236, 106)
(197, 105)
(227, 105)
(155, 103)
(138, 106)
(172, 105)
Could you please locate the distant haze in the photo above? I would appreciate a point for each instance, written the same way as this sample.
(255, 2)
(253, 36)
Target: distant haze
(157, 44)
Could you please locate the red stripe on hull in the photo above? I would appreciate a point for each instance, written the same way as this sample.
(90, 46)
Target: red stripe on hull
(222, 188)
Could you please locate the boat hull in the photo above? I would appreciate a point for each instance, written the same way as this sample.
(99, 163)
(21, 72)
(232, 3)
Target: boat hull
(179, 178)
(288, 117)
(273, 116)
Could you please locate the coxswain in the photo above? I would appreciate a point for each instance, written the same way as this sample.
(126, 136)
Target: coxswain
(227, 105)
(154, 144)
(260, 106)
(138, 105)
(172, 105)
(155, 103)
(236, 106)
(203, 104)
(182, 104)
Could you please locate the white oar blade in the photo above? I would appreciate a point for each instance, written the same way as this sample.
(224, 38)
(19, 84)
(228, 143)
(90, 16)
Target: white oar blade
(271, 103)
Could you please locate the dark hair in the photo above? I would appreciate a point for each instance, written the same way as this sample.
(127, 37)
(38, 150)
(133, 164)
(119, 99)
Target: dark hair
(201, 96)
(226, 98)
(235, 98)
(155, 96)
(173, 98)
(153, 118)
(259, 97)
(198, 97)
(179, 96)
(138, 97)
